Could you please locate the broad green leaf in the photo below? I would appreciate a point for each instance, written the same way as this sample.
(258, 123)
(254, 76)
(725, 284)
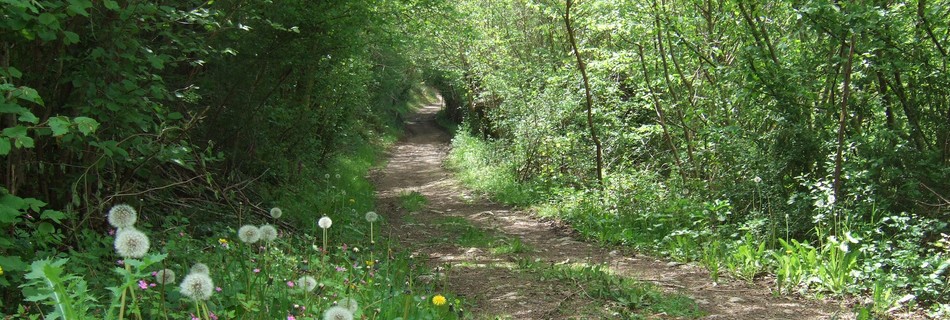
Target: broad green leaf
(111, 5)
(28, 94)
(79, 7)
(70, 37)
(28, 117)
(175, 116)
(14, 72)
(86, 125)
(12, 108)
(46, 18)
(13, 263)
(45, 228)
(59, 125)
(55, 216)
(4, 146)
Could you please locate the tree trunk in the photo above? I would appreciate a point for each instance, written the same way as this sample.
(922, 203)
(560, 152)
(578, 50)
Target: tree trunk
(842, 122)
(587, 94)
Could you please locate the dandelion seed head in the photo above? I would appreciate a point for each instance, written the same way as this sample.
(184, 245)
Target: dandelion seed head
(349, 304)
(249, 234)
(325, 222)
(165, 276)
(131, 243)
(371, 217)
(337, 313)
(275, 212)
(200, 268)
(122, 216)
(197, 286)
(308, 283)
(268, 233)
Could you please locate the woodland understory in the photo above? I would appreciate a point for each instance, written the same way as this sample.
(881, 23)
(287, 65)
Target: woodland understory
(805, 144)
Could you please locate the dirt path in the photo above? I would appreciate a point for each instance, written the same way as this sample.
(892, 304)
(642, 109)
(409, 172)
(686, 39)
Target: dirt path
(489, 281)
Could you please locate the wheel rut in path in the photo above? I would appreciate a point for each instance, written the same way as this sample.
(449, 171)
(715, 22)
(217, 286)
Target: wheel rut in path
(495, 289)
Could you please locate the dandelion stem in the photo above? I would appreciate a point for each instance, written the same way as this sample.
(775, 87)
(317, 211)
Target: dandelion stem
(325, 249)
(135, 304)
(124, 291)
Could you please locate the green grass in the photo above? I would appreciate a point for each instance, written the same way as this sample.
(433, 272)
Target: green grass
(412, 201)
(510, 246)
(485, 171)
(462, 233)
(253, 278)
(628, 297)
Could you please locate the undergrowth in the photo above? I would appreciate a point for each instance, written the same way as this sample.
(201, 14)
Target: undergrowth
(882, 263)
(627, 298)
(290, 276)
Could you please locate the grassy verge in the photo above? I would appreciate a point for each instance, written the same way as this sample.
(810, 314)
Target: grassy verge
(641, 210)
(294, 276)
(626, 298)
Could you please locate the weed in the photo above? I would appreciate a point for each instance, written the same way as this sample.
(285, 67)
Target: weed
(633, 299)
(412, 201)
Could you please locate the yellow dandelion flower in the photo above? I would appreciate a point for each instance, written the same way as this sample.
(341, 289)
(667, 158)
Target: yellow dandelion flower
(223, 241)
(370, 263)
(1, 271)
(438, 300)
(352, 200)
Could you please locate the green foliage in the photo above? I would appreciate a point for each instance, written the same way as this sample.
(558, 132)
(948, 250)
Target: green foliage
(802, 125)
(205, 111)
(412, 201)
(629, 298)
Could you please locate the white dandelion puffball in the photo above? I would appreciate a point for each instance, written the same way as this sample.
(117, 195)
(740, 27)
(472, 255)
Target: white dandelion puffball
(275, 212)
(122, 216)
(371, 217)
(325, 222)
(268, 233)
(349, 304)
(200, 268)
(249, 234)
(165, 276)
(307, 283)
(338, 313)
(197, 286)
(131, 243)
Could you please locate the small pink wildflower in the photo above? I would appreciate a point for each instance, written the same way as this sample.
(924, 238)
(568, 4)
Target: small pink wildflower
(218, 289)
(340, 269)
(256, 270)
(213, 316)
(291, 317)
(120, 262)
(193, 317)
(111, 232)
(152, 285)
(290, 284)
(143, 284)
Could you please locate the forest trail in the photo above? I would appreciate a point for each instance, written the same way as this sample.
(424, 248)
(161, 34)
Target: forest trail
(442, 234)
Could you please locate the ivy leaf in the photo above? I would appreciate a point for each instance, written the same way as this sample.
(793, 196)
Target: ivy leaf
(59, 125)
(86, 125)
